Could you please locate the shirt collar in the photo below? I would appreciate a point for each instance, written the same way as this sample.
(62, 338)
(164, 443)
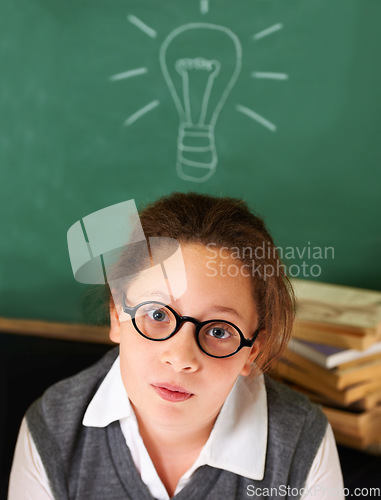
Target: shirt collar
(110, 403)
(238, 440)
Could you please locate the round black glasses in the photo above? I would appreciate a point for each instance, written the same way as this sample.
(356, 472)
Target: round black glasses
(216, 338)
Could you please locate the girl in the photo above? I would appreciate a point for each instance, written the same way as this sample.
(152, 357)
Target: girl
(182, 408)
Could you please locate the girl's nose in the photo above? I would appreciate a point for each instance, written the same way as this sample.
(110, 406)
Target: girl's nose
(181, 351)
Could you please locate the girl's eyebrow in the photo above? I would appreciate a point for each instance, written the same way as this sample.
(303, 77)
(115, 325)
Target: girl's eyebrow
(225, 309)
(163, 296)
(166, 299)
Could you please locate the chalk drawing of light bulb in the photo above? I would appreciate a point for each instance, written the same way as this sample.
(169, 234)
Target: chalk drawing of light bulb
(200, 63)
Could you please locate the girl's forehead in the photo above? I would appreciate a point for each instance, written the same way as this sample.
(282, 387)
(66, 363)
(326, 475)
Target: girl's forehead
(191, 274)
(167, 279)
(152, 283)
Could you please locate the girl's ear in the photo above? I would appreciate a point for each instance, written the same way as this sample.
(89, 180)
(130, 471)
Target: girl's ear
(114, 324)
(248, 366)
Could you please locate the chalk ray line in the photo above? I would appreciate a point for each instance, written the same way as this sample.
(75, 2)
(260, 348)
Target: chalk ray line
(128, 74)
(149, 107)
(272, 76)
(142, 26)
(255, 116)
(204, 6)
(268, 31)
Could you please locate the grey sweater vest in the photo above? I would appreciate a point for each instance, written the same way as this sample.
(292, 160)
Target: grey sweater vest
(87, 463)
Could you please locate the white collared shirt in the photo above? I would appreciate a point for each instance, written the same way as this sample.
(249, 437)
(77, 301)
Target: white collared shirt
(225, 449)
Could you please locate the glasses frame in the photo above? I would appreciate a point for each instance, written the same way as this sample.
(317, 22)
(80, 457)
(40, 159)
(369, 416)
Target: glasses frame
(180, 320)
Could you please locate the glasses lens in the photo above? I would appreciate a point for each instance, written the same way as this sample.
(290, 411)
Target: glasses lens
(219, 338)
(155, 321)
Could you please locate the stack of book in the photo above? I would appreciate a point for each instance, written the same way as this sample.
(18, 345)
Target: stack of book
(334, 357)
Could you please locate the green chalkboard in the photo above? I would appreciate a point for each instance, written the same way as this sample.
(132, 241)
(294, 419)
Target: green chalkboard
(274, 101)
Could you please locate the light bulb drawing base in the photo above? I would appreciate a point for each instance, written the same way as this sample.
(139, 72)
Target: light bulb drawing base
(196, 152)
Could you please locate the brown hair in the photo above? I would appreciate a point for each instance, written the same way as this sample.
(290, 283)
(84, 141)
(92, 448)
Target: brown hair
(227, 222)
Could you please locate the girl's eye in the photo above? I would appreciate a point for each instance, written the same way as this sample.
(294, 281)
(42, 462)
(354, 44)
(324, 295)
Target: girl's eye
(218, 333)
(157, 315)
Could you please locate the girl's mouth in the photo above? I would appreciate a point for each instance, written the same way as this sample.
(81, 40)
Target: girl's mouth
(171, 393)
